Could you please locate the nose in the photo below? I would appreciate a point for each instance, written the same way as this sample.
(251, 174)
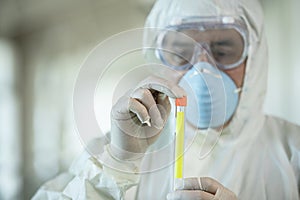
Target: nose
(202, 54)
(203, 57)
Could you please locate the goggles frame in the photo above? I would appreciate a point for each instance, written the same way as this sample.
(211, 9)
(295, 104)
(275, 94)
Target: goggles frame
(202, 24)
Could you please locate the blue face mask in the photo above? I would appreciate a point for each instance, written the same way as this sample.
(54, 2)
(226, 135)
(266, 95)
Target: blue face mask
(212, 96)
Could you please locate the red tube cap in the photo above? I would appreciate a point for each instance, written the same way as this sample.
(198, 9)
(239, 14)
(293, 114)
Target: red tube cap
(181, 101)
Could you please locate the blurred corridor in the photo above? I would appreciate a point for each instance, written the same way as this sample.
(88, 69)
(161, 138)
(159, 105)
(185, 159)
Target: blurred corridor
(42, 46)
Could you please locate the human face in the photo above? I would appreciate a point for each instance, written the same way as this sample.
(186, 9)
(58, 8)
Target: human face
(221, 47)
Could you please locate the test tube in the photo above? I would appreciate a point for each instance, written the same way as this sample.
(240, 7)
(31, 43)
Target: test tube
(179, 137)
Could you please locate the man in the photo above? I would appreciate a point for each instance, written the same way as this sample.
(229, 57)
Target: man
(218, 55)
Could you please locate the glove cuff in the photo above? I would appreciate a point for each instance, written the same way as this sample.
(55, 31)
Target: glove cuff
(114, 162)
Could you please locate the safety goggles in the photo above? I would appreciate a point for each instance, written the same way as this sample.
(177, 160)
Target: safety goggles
(223, 40)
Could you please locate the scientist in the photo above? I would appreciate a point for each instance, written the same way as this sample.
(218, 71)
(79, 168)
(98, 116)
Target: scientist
(218, 55)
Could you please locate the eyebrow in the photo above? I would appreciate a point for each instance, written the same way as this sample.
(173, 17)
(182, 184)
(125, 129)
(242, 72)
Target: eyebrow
(225, 42)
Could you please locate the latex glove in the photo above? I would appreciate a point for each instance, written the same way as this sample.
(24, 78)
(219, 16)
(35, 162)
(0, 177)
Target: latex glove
(138, 118)
(203, 188)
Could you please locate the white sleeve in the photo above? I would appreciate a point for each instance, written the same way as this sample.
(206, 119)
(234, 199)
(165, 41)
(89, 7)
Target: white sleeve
(89, 178)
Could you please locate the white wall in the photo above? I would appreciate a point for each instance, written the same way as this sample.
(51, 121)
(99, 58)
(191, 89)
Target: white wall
(283, 30)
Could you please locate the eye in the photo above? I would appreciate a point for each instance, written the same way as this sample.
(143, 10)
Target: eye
(220, 53)
(173, 58)
(178, 59)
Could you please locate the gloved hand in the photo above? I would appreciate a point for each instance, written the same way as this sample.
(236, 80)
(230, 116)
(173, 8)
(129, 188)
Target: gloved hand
(138, 118)
(203, 188)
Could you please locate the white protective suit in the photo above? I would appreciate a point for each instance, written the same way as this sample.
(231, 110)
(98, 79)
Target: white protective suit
(256, 157)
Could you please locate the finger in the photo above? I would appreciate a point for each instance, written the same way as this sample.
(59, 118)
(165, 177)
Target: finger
(188, 184)
(140, 110)
(164, 105)
(164, 86)
(190, 195)
(120, 110)
(203, 183)
(210, 185)
(146, 98)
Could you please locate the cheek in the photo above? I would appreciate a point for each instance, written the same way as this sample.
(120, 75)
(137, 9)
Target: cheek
(237, 75)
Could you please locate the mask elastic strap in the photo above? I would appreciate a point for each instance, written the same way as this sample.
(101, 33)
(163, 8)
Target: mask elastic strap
(238, 90)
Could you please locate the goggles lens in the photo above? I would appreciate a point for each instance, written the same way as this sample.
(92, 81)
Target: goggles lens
(180, 48)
